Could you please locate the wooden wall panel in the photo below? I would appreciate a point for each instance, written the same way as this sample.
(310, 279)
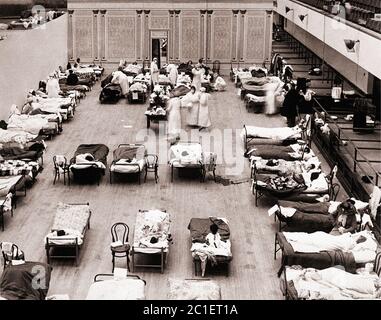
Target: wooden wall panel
(121, 37)
(255, 38)
(83, 37)
(190, 38)
(221, 37)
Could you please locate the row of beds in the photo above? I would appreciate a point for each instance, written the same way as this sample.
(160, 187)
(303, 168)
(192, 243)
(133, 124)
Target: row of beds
(23, 137)
(16, 281)
(74, 219)
(130, 159)
(314, 263)
(257, 88)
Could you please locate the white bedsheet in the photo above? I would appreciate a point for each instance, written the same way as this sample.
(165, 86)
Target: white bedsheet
(117, 289)
(280, 133)
(332, 284)
(185, 154)
(128, 167)
(320, 241)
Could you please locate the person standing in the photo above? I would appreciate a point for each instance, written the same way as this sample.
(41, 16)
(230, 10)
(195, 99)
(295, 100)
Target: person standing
(197, 75)
(118, 77)
(290, 104)
(173, 74)
(203, 114)
(154, 72)
(194, 107)
(53, 87)
(174, 119)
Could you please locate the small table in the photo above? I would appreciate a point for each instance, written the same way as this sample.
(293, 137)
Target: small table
(155, 118)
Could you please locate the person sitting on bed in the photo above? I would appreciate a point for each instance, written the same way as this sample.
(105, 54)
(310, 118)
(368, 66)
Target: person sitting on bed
(213, 238)
(72, 78)
(346, 220)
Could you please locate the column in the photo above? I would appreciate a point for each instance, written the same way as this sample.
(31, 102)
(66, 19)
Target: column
(268, 37)
(208, 35)
(241, 35)
(146, 38)
(95, 35)
(70, 44)
(177, 36)
(203, 37)
(235, 36)
(139, 35)
(103, 35)
(171, 35)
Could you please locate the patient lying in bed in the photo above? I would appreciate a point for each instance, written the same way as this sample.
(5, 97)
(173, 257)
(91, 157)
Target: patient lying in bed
(333, 284)
(362, 245)
(87, 160)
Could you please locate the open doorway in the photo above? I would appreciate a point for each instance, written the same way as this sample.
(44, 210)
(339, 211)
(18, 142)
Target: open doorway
(159, 47)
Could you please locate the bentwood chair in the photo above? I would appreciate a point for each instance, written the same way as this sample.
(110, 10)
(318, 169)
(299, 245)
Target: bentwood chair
(152, 165)
(61, 166)
(120, 232)
(11, 252)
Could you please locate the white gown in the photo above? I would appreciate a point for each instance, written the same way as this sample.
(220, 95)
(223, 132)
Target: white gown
(53, 88)
(193, 111)
(197, 75)
(121, 79)
(203, 114)
(174, 117)
(154, 73)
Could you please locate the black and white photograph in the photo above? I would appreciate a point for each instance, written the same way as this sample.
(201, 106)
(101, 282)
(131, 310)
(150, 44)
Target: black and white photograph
(181, 150)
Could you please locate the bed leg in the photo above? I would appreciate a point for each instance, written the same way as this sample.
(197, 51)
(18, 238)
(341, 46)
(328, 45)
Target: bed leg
(110, 177)
(76, 255)
(133, 260)
(2, 219)
(171, 173)
(275, 247)
(162, 260)
(48, 254)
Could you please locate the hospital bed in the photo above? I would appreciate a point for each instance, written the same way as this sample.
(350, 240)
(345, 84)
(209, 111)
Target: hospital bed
(18, 281)
(193, 289)
(89, 170)
(324, 258)
(71, 222)
(298, 283)
(199, 229)
(187, 155)
(151, 238)
(109, 287)
(128, 159)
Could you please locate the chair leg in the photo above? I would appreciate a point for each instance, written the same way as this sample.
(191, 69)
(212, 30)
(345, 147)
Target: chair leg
(128, 263)
(64, 175)
(113, 263)
(55, 177)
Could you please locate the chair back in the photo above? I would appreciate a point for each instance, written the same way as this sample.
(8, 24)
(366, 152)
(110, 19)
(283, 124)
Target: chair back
(210, 161)
(151, 161)
(120, 232)
(334, 191)
(60, 162)
(10, 252)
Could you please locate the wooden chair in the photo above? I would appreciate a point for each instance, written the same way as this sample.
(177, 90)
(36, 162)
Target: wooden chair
(210, 165)
(61, 166)
(152, 165)
(120, 232)
(11, 252)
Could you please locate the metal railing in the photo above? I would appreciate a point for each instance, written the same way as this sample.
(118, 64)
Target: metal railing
(360, 163)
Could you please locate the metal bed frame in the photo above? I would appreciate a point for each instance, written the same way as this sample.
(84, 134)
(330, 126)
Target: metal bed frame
(162, 253)
(75, 246)
(112, 173)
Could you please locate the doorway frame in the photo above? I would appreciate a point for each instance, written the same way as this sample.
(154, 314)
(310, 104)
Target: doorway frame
(151, 37)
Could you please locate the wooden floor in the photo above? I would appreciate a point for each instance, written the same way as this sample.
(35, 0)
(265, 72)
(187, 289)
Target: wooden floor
(253, 269)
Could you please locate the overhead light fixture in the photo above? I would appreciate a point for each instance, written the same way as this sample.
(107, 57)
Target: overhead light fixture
(350, 44)
(288, 9)
(302, 16)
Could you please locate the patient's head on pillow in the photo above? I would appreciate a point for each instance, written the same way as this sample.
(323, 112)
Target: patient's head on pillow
(89, 157)
(154, 240)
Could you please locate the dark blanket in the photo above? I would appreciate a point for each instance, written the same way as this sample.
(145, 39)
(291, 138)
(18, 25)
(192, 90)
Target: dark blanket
(99, 151)
(199, 228)
(16, 153)
(19, 282)
(321, 260)
(179, 91)
(268, 151)
(308, 222)
(320, 207)
(129, 152)
(106, 80)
